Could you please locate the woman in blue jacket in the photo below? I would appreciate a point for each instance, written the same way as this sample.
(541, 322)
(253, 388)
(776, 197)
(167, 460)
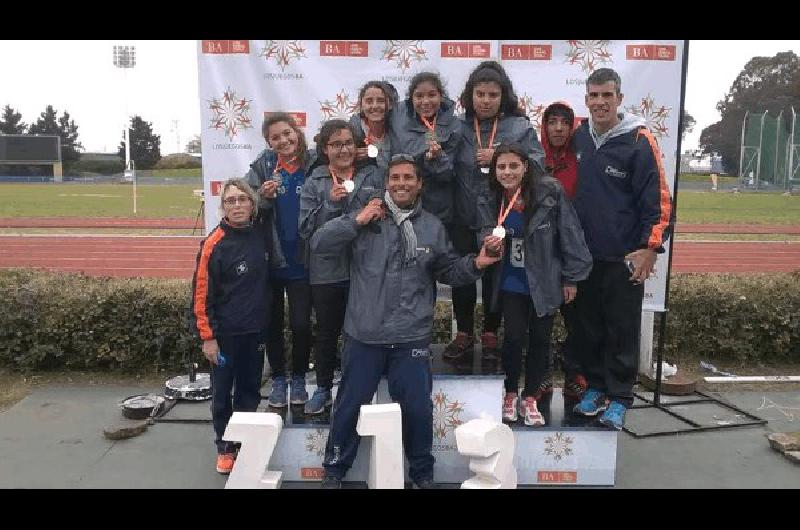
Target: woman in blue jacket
(230, 310)
(278, 174)
(526, 215)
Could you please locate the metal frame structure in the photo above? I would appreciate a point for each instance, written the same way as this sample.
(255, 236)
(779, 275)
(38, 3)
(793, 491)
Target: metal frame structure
(656, 401)
(794, 156)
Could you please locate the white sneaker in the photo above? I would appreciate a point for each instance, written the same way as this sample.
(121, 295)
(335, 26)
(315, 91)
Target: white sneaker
(530, 412)
(510, 401)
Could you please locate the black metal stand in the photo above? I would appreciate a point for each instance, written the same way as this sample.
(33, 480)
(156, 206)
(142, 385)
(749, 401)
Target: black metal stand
(656, 401)
(706, 398)
(200, 216)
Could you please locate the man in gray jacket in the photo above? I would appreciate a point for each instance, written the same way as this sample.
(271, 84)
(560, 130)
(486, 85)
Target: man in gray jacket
(398, 252)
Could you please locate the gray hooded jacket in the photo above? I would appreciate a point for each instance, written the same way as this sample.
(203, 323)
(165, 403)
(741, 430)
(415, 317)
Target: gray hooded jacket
(470, 182)
(316, 208)
(409, 137)
(390, 303)
(554, 248)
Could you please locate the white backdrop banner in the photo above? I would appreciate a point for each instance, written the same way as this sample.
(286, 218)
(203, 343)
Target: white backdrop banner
(241, 81)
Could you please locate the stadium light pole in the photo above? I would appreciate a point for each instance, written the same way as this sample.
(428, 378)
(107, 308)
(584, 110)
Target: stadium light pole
(125, 58)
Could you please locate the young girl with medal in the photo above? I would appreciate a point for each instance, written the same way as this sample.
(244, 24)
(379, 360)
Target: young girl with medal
(375, 102)
(526, 216)
(491, 116)
(425, 127)
(338, 186)
(278, 175)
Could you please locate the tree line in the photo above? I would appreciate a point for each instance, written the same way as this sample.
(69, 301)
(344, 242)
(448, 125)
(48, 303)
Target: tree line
(145, 144)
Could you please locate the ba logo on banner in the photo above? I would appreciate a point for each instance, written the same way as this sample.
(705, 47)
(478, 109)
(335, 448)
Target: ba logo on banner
(466, 50)
(343, 48)
(526, 52)
(226, 46)
(650, 52)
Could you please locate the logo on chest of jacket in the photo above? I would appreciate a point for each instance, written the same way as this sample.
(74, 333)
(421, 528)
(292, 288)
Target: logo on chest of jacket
(241, 268)
(578, 156)
(614, 172)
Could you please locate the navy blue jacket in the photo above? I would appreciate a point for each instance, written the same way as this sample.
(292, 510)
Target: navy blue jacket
(622, 200)
(229, 287)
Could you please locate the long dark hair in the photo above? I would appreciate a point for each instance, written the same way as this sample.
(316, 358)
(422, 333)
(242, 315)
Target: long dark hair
(491, 72)
(529, 179)
(277, 117)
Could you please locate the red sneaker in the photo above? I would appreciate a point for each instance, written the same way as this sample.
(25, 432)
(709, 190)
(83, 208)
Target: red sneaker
(575, 387)
(225, 463)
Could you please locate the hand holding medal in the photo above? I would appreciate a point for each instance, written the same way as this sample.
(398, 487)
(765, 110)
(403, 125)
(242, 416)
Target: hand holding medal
(483, 156)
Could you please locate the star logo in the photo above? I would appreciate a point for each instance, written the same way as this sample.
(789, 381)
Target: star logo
(241, 268)
(445, 415)
(588, 53)
(283, 51)
(230, 113)
(404, 52)
(316, 441)
(534, 111)
(339, 108)
(655, 116)
(558, 446)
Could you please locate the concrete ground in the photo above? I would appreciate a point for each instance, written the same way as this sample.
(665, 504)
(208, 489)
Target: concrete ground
(53, 439)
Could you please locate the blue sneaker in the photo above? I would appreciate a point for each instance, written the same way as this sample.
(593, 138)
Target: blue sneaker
(614, 416)
(299, 395)
(322, 398)
(277, 398)
(592, 403)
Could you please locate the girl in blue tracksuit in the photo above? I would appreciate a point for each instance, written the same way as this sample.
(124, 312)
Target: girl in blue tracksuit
(278, 174)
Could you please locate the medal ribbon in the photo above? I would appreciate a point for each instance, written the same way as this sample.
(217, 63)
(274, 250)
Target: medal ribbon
(336, 179)
(503, 213)
(431, 126)
(478, 133)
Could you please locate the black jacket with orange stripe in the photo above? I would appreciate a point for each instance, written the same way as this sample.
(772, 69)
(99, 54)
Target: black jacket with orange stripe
(230, 295)
(622, 200)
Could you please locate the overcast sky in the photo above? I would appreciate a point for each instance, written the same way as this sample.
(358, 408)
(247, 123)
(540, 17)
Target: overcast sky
(80, 77)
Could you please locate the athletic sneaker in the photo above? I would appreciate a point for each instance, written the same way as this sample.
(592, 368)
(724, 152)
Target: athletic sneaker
(530, 412)
(510, 403)
(319, 400)
(277, 398)
(614, 416)
(225, 463)
(593, 402)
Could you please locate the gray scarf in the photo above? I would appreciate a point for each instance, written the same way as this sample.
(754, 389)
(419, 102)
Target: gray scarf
(402, 218)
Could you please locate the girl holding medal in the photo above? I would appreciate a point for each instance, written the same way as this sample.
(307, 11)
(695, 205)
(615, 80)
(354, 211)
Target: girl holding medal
(278, 175)
(526, 216)
(491, 116)
(425, 127)
(375, 101)
(341, 184)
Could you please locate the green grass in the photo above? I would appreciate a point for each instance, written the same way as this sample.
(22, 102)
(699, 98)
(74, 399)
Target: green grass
(738, 208)
(696, 177)
(174, 173)
(97, 200)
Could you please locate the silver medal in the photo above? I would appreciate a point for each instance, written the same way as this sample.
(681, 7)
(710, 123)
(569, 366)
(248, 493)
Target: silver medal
(485, 170)
(372, 151)
(349, 186)
(499, 231)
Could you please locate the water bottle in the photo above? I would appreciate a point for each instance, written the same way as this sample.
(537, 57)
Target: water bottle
(221, 359)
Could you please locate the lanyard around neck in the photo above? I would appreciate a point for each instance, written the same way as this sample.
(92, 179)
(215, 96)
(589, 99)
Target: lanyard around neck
(503, 213)
(478, 133)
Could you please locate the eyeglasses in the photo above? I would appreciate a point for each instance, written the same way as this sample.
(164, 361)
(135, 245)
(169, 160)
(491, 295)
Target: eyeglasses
(239, 199)
(349, 144)
(402, 157)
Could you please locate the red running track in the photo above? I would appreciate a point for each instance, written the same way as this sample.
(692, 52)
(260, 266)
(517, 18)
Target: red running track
(174, 257)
